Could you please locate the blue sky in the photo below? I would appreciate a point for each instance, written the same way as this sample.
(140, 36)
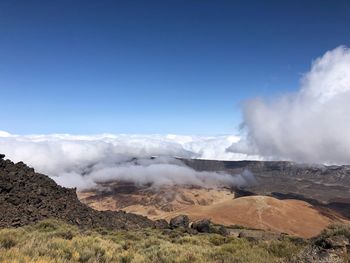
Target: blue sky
(161, 67)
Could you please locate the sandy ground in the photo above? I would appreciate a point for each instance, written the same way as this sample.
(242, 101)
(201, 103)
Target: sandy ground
(220, 205)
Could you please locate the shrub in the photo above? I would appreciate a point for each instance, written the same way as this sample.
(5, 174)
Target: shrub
(53, 241)
(9, 238)
(47, 225)
(217, 240)
(332, 230)
(336, 230)
(284, 249)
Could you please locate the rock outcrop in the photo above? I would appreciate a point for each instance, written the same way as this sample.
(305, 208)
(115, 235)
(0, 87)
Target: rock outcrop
(202, 226)
(179, 221)
(27, 197)
(331, 246)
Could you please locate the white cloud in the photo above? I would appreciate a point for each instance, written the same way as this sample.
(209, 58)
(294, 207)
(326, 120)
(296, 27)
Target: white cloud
(311, 125)
(4, 134)
(81, 161)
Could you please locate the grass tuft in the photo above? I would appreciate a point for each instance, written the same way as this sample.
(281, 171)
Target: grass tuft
(51, 241)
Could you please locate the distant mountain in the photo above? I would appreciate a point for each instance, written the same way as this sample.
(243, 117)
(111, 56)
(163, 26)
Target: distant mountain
(320, 185)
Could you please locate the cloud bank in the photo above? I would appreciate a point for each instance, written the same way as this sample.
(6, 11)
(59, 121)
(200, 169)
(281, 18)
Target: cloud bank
(84, 161)
(309, 126)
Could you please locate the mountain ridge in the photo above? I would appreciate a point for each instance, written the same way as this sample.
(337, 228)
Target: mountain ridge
(28, 197)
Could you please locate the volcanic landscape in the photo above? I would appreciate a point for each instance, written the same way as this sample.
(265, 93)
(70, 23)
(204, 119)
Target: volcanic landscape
(287, 197)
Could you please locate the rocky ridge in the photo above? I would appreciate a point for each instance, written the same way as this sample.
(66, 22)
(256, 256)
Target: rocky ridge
(27, 197)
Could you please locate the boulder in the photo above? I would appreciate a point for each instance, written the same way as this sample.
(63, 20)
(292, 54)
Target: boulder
(336, 242)
(222, 230)
(316, 255)
(179, 221)
(202, 226)
(161, 224)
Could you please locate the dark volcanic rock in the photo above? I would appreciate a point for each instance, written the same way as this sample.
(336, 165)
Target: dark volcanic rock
(202, 226)
(179, 221)
(331, 246)
(336, 242)
(27, 197)
(161, 224)
(315, 254)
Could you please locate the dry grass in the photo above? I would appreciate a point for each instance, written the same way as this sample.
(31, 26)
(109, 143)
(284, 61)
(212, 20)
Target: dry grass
(56, 242)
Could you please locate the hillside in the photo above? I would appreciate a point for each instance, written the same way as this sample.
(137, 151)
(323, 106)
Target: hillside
(34, 212)
(320, 185)
(27, 197)
(298, 199)
(294, 217)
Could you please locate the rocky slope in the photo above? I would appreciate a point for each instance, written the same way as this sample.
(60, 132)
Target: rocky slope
(27, 197)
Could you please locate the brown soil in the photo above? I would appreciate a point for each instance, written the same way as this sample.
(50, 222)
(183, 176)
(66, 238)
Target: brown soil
(294, 217)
